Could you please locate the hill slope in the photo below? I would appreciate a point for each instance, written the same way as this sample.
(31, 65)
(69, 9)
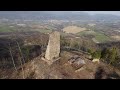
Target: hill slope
(62, 69)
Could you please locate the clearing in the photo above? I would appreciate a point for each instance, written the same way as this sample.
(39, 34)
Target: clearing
(73, 29)
(116, 37)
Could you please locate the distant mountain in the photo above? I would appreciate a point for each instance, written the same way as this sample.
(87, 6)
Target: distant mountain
(59, 15)
(107, 17)
(44, 15)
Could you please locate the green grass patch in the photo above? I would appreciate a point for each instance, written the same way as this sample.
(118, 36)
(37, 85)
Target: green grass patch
(86, 33)
(6, 29)
(100, 37)
(44, 30)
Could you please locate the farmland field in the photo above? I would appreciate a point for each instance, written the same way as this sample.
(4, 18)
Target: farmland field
(44, 30)
(100, 37)
(6, 29)
(73, 29)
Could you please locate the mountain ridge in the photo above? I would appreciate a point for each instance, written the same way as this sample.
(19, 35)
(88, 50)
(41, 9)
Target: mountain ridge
(59, 15)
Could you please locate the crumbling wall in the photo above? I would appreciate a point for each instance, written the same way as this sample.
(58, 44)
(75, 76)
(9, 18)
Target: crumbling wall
(53, 48)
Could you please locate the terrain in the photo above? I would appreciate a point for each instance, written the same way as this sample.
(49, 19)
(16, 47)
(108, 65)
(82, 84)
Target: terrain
(33, 67)
(61, 69)
(24, 39)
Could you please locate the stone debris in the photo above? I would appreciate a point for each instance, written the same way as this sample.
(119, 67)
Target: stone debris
(76, 60)
(96, 60)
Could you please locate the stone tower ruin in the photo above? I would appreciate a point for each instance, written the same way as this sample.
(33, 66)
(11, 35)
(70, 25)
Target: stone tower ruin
(53, 48)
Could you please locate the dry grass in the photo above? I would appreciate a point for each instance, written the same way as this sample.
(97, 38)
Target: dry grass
(73, 29)
(116, 37)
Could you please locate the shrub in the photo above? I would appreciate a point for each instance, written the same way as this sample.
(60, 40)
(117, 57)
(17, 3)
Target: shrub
(96, 54)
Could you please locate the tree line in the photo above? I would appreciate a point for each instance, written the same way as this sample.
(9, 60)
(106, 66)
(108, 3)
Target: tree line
(108, 53)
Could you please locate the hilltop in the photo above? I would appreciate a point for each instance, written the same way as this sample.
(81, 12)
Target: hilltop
(62, 69)
(74, 62)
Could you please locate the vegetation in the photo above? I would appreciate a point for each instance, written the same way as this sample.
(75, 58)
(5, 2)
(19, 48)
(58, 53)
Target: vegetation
(111, 55)
(16, 53)
(108, 53)
(5, 29)
(100, 37)
(79, 33)
(44, 30)
(96, 54)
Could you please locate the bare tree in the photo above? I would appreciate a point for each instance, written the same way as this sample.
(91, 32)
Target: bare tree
(12, 57)
(15, 35)
(20, 51)
(21, 58)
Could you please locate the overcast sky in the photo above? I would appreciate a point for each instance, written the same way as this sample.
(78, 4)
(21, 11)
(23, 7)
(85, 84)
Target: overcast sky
(91, 12)
(104, 12)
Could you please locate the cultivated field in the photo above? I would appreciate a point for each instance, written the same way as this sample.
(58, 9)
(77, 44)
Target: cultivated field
(73, 29)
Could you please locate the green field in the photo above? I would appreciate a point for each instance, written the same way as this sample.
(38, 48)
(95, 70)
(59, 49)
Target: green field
(6, 29)
(44, 30)
(100, 37)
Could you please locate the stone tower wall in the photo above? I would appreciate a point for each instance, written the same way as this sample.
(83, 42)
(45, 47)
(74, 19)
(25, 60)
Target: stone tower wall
(53, 48)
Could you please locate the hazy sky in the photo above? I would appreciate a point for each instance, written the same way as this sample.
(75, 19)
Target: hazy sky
(104, 12)
(101, 12)
(90, 12)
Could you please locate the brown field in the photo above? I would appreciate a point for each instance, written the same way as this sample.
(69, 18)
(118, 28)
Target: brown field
(116, 37)
(73, 29)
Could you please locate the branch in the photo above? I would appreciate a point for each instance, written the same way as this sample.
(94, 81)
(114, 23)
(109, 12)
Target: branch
(12, 57)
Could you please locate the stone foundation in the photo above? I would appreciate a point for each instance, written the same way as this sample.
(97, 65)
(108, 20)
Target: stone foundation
(49, 62)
